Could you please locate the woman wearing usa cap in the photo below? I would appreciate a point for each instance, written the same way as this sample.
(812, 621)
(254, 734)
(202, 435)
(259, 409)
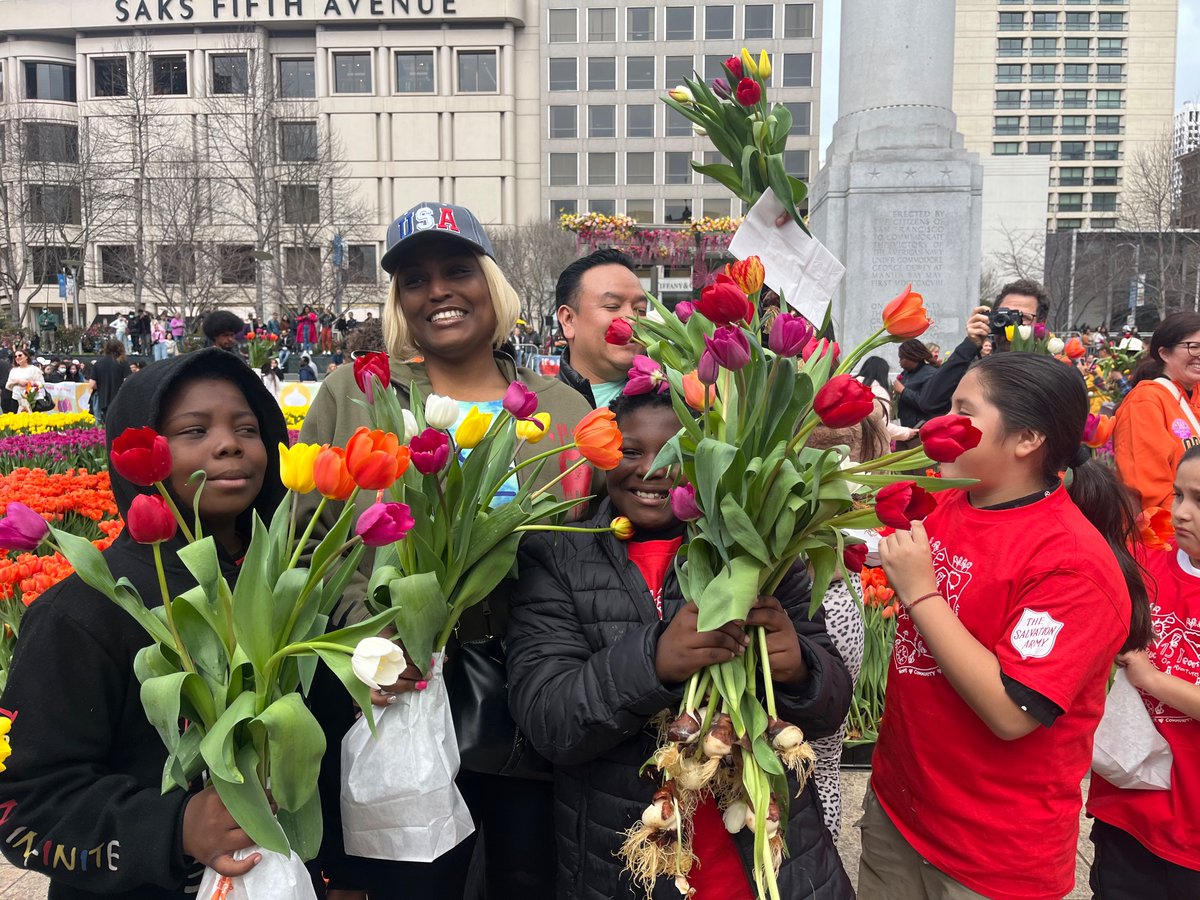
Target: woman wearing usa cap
(450, 305)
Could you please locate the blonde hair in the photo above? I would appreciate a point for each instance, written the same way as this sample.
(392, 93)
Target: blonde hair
(505, 302)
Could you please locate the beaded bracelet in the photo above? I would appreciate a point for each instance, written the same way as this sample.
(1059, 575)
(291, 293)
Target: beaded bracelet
(909, 606)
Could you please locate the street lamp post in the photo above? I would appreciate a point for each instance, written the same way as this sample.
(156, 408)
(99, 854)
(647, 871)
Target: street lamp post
(260, 257)
(74, 265)
(1134, 283)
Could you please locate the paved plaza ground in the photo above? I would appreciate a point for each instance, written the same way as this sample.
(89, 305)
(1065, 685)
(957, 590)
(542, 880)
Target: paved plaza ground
(18, 885)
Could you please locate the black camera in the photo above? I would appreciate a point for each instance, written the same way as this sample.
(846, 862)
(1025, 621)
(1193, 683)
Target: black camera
(1000, 319)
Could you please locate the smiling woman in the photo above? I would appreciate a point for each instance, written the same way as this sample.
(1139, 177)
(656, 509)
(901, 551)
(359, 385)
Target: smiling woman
(450, 305)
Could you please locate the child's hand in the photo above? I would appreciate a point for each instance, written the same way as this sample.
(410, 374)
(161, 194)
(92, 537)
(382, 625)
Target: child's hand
(908, 563)
(683, 651)
(210, 836)
(783, 646)
(1139, 670)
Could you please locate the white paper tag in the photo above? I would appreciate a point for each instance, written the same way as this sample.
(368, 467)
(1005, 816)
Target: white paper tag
(799, 267)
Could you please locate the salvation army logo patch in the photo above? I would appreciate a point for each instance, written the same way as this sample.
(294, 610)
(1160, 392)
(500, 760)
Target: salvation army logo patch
(1180, 429)
(1034, 635)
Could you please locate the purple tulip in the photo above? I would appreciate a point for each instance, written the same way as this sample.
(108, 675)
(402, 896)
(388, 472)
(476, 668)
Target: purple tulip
(645, 376)
(708, 368)
(520, 401)
(720, 87)
(729, 346)
(684, 309)
(384, 523)
(22, 528)
(789, 334)
(1039, 330)
(683, 503)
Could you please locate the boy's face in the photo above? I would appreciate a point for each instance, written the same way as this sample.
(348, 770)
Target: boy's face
(645, 500)
(210, 426)
(226, 340)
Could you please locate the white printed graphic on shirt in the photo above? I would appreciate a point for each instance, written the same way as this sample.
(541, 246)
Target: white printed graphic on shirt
(953, 574)
(1177, 652)
(1034, 635)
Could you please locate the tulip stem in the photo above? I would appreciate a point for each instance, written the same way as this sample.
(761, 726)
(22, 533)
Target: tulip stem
(557, 478)
(180, 649)
(889, 461)
(292, 525)
(312, 522)
(608, 530)
(689, 700)
(765, 661)
(183, 526)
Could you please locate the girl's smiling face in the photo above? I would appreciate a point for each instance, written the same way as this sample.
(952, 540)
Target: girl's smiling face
(636, 492)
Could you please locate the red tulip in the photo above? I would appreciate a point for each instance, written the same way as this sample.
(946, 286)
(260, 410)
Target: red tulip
(384, 523)
(749, 92)
(149, 520)
(946, 438)
(899, 504)
(843, 401)
(733, 66)
(905, 316)
(368, 365)
(1074, 348)
(141, 455)
(619, 333)
(430, 451)
(724, 303)
(375, 459)
(854, 557)
(520, 401)
(250, 335)
(820, 347)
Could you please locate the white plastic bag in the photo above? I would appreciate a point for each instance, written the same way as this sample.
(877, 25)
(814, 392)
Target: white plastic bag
(399, 799)
(275, 877)
(1128, 751)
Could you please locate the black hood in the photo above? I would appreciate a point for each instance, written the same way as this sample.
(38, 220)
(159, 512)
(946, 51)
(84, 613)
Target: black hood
(142, 396)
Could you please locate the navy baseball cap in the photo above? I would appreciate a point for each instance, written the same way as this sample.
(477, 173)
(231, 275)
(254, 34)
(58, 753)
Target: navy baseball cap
(432, 220)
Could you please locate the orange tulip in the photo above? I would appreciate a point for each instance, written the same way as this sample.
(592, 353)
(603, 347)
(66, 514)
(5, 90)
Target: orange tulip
(1155, 528)
(599, 439)
(330, 474)
(905, 316)
(1074, 349)
(696, 394)
(747, 273)
(1098, 430)
(375, 459)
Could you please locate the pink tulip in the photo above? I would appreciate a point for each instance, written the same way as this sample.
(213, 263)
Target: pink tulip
(384, 523)
(520, 401)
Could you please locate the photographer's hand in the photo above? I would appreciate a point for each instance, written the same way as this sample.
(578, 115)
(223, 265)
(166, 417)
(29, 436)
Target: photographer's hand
(978, 326)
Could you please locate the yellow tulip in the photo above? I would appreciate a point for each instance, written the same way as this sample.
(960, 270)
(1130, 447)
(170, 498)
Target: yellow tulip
(681, 94)
(533, 430)
(749, 66)
(622, 528)
(472, 428)
(764, 65)
(1009, 331)
(296, 466)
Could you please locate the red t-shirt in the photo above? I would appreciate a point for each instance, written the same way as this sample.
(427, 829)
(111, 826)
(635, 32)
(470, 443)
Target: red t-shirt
(718, 873)
(1040, 588)
(1167, 823)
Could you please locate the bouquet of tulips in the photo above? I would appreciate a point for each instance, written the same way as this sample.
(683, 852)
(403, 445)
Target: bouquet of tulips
(261, 346)
(229, 662)
(465, 502)
(757, 500)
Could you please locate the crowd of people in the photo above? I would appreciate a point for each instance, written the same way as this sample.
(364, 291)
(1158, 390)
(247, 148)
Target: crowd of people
(1019, 593)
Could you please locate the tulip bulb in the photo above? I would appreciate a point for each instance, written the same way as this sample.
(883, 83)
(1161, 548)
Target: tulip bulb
(784, 736)
(662, 814)
(719, 740)
(772, 825)
(684, 730)
(736, 816)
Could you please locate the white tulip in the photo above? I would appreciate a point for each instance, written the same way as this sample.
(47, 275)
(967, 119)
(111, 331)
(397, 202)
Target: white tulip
(410, 425)
(440, 412)
(1055, 346)
(1025, 331)
(698, 131)
(378, 662)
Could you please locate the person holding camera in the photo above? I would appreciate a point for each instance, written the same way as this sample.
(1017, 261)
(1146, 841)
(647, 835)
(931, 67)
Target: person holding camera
(1023, 302)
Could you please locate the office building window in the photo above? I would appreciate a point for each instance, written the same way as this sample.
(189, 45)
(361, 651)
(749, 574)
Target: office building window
(414, 72)
(297, 79)
(1039, 148)
(602, 73)
(55, 204)
(302, 265)
(798, 20)
(49, 81)
(639, 168)
(1009, 99)
(1110, 72)
(1070, 202)
(677, 68)
(602, 24)
(563, 74)
(1071, 177)
(1041, 99)
(801, 117)
(1110, 47)
(1079, 21)
(1009, 73)
(641, 211)
(1012, 21)
(361, 265)
(47, 262)
(1105, 176)
(678, 166)
(1108, 124)
(681, 23)
(718, 23)
(797, 70)
(301, 204)
(1112, 21)
(1041, 46)
(1069, 224)
(1075, 98)
(795, 162)
(563, 26)
(1076, 73)
(564, 121)
(1110, 99)
(1043, 72)
(1074, 124)
(564, 169)
(177, 263)
(1039, 125)
(477, 72)
(1073, 150)
(352, 73)
(1077, 46)
(236, 264)
(639, 73)
(639, 23)
(229, 73)
(117, 264)
(602, 121)
(1045, 21)
(297, 141)
(713, 68)
(1104, 202)
(677, 211)
(711, 158)
(563, 208)
(1106, 150)
(760, 21)
(602, 168)
(678, 125)
(602, 207)
(1006, 125)
(110, 76)
(51, 142)
(1010, 47)
(715, 207)
(639, 120)
(1007, 148)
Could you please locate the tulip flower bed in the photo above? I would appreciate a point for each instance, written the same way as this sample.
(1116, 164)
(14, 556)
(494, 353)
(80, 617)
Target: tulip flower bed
(54, 451)
(41, 423)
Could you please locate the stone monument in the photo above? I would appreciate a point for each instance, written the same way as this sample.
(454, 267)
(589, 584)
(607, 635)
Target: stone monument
(899, 198)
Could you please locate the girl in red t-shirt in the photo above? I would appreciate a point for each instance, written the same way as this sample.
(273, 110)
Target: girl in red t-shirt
(1148, 842)
(1017, 594)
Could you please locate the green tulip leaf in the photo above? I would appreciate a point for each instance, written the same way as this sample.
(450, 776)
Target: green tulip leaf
(730, 594)
(219, 747)
(303, 827)
(742, 530)
(252, 604)
(247, 802)
(295, 745)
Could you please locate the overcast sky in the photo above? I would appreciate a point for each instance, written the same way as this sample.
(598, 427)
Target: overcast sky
(1187, 71)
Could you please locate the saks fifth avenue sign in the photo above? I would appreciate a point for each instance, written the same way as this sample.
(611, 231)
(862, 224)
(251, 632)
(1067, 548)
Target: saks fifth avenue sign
(159, 12)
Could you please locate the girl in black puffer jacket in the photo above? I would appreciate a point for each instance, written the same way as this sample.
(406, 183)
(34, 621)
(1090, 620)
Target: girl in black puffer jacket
(600, 640)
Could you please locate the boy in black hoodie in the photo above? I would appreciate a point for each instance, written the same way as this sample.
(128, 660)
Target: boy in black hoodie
(81, 798)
